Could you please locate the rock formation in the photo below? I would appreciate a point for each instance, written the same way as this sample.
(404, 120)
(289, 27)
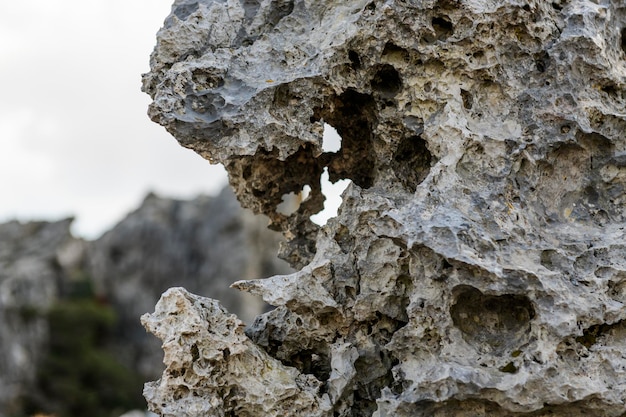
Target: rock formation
(162, 244)
(203, 244)
(477, 264)
(31, 259)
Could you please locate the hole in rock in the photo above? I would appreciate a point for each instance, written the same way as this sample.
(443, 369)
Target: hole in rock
(332, 140)
(268, 179)
(623, 39)
(443, 28)
(279, 11)
(492, 323)
(206, 80)
(353, 115)
(542, 62)
(311, 362)
(611, 89)
(387, 81)
(591, 335)
(282, 95)
(333, 198)
(411, 161)
(395, 53)
(291, 202)
(468, 99)
(355, 60)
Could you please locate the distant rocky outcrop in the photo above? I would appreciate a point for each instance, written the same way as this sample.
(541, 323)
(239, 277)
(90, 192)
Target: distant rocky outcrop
(164, 243)
(31, 278)
(204, 244)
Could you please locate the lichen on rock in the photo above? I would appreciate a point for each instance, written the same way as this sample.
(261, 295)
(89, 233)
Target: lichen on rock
(476, 266)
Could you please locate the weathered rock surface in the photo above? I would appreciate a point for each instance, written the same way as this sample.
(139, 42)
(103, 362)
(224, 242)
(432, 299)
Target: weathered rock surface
(203, 244)
(477, 266)
(162, 244)
(193, 351)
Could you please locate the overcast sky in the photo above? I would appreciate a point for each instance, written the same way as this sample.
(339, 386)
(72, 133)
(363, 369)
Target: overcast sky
(74, 136)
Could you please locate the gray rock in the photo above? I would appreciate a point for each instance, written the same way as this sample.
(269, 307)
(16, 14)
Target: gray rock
(203, 244)
(198, 333)
(164, 243)
(30, 281)
(477, 264)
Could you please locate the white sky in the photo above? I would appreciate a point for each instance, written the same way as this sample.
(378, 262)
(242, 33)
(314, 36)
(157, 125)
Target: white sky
(74, 135)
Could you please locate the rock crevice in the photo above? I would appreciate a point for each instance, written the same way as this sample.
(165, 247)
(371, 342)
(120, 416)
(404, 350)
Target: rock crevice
(476, 265)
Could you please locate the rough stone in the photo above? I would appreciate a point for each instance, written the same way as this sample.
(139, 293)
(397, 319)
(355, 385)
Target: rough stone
(164, 243)
(204, 346)
(476, 266)
(203, 244)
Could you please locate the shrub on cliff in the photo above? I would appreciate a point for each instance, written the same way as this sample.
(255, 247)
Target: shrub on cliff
(79, 377)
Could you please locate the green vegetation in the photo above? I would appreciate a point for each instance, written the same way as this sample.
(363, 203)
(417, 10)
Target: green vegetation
(79, 377)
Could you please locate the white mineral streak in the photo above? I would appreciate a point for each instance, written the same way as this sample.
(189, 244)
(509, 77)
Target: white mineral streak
(477, 266)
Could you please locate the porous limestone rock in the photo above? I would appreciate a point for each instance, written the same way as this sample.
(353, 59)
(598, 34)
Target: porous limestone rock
(204, 346)
(477, 266)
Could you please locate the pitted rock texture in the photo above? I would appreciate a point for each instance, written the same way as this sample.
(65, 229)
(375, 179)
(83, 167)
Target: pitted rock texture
(204, 346)
(477, 265)
(203, 244)
(165, 242)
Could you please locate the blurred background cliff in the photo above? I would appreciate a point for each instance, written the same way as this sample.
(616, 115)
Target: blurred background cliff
(75, 141)
(70, 339)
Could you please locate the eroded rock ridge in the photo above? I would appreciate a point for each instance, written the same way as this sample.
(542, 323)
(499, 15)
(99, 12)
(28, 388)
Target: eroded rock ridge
(477, 264)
